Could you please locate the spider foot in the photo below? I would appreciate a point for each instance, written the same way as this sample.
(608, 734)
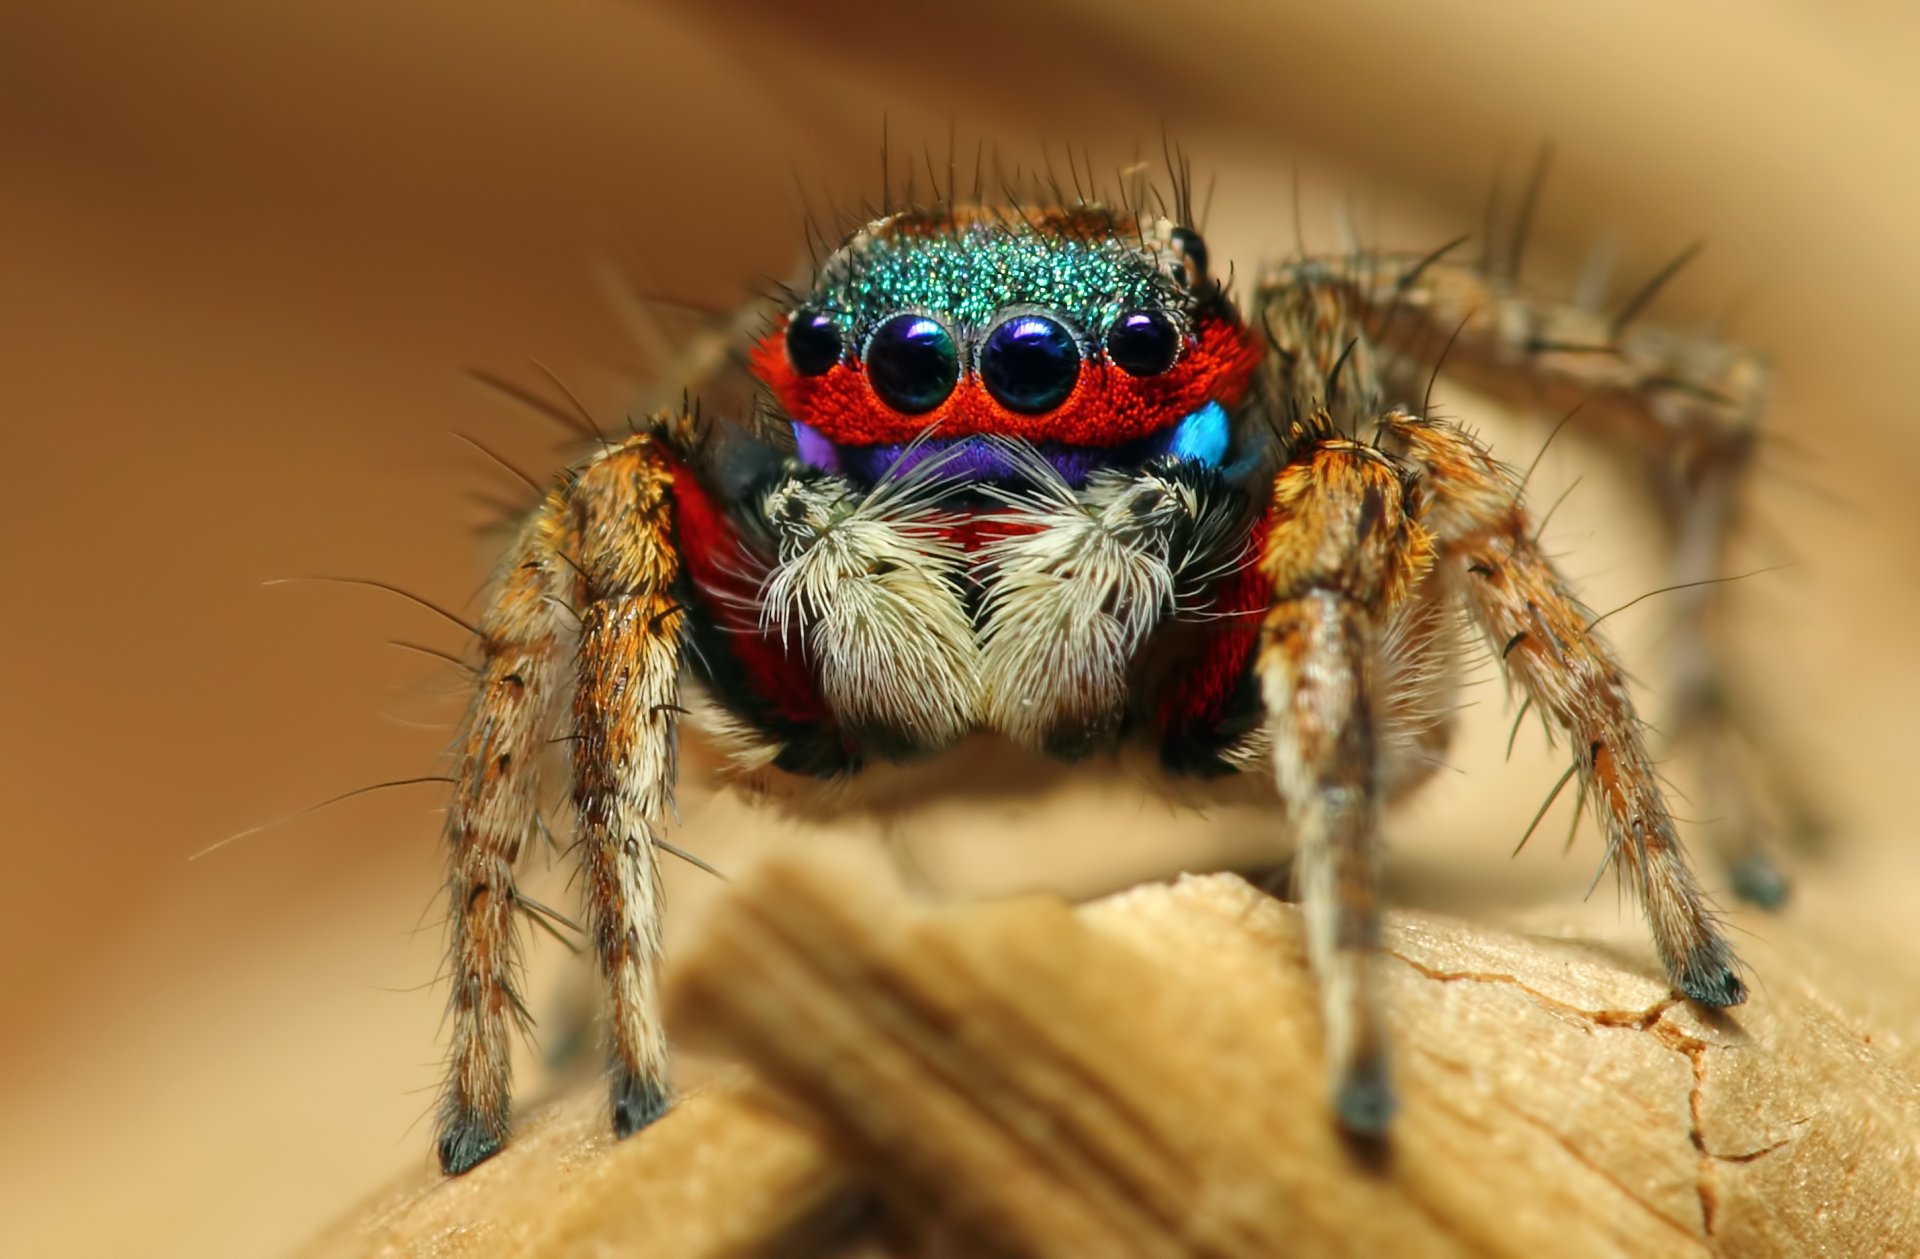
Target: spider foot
(1712, 979)
(468, 1139)
(1364, 1099)
(637, 1101)
(1758, 880)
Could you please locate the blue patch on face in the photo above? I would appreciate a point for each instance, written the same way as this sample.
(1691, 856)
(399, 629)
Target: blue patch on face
(1202, 436)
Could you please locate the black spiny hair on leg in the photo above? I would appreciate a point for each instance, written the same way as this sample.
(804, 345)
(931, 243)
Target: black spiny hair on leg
(1490, 215)
(1630, 310)
(534, 402)
(504, 463)
(1440, 363)
(1523, 220)
(1397, 304)
(318, 805)
(579, 407)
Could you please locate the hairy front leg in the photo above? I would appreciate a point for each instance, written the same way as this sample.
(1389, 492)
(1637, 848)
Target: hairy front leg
(525, 638)
(1547, 643)
(603, 544)
(1684, 409)
(1343, 553)
(624, 743)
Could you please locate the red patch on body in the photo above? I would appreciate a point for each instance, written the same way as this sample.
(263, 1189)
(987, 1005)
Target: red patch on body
(781, 674)
(1197, 696)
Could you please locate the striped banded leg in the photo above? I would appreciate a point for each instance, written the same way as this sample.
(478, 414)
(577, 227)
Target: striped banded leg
(1545, 641)
(1684, 407)
(1343, 552)
(624, 746)
(526, 637)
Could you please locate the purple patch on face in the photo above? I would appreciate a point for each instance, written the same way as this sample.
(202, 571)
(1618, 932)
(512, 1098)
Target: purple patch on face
(815, 449)
(976, 459)
(983, 459)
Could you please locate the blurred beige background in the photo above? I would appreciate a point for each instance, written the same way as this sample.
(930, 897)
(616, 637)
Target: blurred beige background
(246, 249)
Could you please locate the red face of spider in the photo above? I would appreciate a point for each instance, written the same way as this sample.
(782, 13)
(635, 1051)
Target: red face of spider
(1094, 340)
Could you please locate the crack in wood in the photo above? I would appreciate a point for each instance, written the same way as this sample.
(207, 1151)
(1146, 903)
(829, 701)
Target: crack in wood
(1637, 1019)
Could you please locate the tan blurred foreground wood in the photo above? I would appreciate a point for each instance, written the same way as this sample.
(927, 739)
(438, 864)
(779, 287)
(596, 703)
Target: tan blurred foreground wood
(1142, 1076)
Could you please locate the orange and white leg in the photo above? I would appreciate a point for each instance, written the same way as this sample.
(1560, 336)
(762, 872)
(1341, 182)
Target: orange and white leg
(1343, 553)
(604, 545)
(626, 692)
(1547, 643)
(526, 637)
(1684, 408)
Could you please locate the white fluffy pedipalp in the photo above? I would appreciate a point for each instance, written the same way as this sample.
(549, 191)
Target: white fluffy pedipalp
(871, 584)
(1072, 594)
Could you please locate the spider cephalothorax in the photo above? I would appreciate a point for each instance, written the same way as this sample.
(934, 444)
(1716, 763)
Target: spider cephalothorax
(1057, 329)
(1031, 476)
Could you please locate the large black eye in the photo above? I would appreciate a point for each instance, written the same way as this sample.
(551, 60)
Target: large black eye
(1143, 342)
(912, 363)
(1030, 364)
(813, 342)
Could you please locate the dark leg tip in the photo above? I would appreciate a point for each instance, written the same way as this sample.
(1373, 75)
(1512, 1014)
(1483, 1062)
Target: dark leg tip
(636, 1102)
(1717, 986)
(1364, 1103)
(1758, 881)
(468, 1142)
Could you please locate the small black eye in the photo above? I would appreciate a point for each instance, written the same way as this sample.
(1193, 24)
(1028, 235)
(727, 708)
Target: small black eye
(1030, 364)
(1194, 248)
(912, 363)
(1143, 342)
(813, 342)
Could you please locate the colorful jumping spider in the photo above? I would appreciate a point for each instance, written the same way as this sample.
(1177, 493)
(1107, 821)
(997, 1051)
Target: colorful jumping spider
(1029, 472)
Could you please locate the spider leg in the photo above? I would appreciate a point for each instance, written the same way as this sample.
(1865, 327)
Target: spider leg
(606, 541)
(625, 707)
(1684, 409)
(1697, 483)
(525, 638)
(1546, 642)
(1343, 553)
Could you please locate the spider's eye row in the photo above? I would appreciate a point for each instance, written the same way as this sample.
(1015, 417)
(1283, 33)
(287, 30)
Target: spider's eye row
(912, 363)
(1030, 364)
(813, 342)
(1143, 342)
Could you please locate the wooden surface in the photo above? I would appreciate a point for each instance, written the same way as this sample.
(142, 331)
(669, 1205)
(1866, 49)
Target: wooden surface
(1142, 1076)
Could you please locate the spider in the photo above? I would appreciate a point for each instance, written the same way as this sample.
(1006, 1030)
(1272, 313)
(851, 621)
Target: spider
(1025, 470)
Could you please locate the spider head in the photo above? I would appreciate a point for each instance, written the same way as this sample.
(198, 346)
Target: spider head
(1081, 333)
